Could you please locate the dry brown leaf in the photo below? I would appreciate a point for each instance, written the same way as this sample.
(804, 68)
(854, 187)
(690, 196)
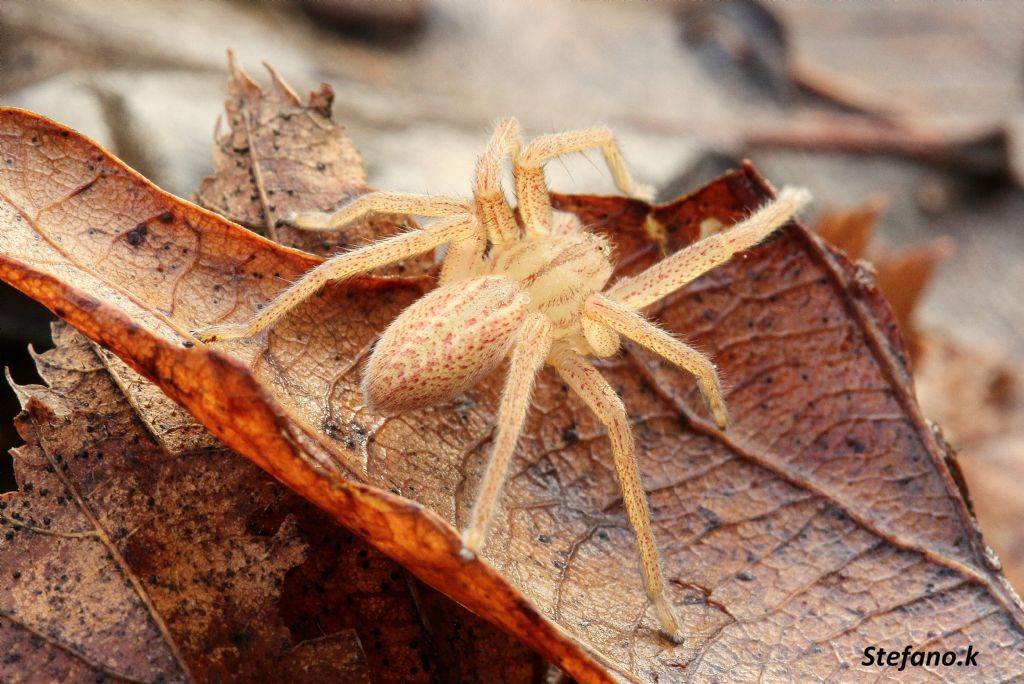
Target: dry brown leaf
(220, 389)
(825, 520)
(973, 393)
(279, 156)
(346, 602)
(278, 149)
(119, 562)
(298, 159)
(215, 572)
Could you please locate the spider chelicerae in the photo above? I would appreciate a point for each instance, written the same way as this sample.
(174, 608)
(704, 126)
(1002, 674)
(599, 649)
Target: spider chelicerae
(533, 288)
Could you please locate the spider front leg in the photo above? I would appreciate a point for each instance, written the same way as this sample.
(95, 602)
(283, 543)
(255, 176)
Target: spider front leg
(344, 266)
(531, 349)
(595, 391)
(492, 206)
(528, 169)
(675, 271)
(381, 203)
(631, 324)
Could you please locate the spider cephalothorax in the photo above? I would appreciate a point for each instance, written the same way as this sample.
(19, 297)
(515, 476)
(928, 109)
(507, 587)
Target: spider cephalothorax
(534, 290)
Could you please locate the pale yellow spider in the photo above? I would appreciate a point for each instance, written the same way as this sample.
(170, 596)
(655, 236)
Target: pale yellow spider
(532, 288)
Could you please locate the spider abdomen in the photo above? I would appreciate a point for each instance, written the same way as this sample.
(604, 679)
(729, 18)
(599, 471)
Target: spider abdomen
(444, 343)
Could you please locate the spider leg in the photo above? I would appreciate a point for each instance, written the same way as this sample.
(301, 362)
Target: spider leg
(343, 266)
(492, 206)
(630, 323)
(462, 257)
(595, 391)
(531, 188)
(531, 350)
(675, 271)
(381, 203)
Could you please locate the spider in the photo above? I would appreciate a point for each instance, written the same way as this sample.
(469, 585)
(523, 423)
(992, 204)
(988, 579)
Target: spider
(532, 287)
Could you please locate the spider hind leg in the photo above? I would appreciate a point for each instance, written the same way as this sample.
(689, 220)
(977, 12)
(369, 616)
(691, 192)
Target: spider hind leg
(601, 398)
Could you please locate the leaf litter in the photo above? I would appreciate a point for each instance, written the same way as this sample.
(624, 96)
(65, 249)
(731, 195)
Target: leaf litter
(828, 504)
(137, 563)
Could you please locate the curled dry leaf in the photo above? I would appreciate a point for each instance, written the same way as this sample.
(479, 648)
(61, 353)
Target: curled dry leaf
(278, 156)
(823, 521)
(130, 562)
(271, 146)
(121, 563)
(146, 329)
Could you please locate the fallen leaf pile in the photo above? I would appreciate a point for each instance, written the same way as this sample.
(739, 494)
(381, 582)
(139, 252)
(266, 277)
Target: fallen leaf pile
(279, 156)
(825, 520)
(126, 559)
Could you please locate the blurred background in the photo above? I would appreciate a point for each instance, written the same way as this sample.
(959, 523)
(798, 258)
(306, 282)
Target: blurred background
(905, 119)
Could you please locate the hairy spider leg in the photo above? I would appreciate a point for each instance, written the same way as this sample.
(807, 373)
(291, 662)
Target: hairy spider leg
(601, 398)
(343, 266)
(632, 325)
(531, 350)
(381, 203)
(676, 270)
(462, 257)
(603, 341)
(528, 169)
(492, 206)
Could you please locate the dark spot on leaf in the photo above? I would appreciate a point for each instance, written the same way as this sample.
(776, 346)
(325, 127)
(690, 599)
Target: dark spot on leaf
(569, 435)
(137, 235)
(856, 445)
